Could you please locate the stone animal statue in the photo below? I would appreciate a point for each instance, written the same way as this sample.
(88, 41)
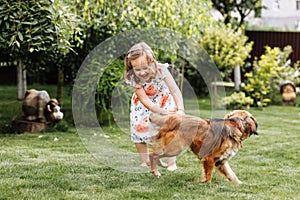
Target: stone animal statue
(37, 106)
(288, 93)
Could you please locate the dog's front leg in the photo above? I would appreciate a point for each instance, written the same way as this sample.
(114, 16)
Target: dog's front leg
(153, 160)
(208, 165)
(226, 170)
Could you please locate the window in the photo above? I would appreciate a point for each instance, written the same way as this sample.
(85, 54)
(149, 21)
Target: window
(276, 5)
(298, 4)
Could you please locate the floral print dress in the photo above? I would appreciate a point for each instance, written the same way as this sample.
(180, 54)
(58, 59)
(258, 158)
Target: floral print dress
(159, 93)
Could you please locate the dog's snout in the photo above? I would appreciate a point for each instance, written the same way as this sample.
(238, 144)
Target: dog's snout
(255, 132)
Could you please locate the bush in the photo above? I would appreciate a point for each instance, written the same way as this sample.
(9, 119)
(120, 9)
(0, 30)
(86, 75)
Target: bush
(238, 100)
(112, 87)
(273, 68)
(227, 47)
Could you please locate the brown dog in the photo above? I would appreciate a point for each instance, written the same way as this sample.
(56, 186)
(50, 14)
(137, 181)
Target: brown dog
(213, 141)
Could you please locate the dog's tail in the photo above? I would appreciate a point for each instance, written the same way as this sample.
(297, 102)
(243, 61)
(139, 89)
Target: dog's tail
(173, 122)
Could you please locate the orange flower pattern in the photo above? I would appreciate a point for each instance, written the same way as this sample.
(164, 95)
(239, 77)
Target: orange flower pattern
(151, 90)
(135, 99)
(142, 127)
(163, 100)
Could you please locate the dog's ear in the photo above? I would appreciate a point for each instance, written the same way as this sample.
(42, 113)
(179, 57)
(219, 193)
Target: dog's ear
(217, 131)
(229, 115)
(237, 128)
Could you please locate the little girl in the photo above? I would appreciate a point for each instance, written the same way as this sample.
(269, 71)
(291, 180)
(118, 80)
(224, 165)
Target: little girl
(155, 91)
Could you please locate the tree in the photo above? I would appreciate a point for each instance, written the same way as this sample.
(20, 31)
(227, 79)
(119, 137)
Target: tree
(33, 32)
(101, 19)
(228, 48)
(242, 7)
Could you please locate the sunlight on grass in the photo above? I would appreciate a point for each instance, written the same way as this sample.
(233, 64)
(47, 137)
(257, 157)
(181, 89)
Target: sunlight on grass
(38, 166)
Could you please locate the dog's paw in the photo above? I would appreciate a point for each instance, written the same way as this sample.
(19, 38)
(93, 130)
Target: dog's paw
(156, 173)
(237, 182)
(201, 181)
(204, 180)
(162, 164)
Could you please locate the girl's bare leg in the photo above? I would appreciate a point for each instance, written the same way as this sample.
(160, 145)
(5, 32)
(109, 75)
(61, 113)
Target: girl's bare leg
(172, 163)
(142, 149)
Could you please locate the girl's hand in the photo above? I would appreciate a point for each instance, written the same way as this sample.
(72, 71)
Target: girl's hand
(164, 112)
(181, 112)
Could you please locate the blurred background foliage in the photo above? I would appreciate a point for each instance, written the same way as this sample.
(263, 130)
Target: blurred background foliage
(55, 37)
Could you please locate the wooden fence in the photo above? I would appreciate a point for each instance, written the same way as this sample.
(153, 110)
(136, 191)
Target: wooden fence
(274, 39)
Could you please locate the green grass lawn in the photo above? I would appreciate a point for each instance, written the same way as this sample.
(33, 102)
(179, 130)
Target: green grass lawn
(57, 165)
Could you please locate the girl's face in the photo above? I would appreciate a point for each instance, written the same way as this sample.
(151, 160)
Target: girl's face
(142, 69)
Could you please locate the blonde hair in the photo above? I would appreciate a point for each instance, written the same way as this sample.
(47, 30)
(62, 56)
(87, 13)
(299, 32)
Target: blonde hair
(136, 51)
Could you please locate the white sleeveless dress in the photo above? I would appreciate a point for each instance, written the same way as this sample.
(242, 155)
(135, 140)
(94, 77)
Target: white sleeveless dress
(159, 93)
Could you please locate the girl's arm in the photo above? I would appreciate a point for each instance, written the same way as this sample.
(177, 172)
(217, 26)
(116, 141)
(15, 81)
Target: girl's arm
(175, 91)
(141, 94)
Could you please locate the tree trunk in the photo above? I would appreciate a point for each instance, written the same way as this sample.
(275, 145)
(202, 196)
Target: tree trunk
(181, 78)
(21, 80)
(60, 84)
(237, 78)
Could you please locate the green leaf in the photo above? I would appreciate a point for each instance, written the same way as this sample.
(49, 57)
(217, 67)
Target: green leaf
(12, 39)
(18, 43)
(20, 36)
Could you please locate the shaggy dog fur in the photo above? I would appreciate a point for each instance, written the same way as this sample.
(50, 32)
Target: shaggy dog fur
(213, 141)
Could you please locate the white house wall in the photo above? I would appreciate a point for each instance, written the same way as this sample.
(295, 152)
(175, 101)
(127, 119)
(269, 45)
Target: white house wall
(282, 14)
(280, 8)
